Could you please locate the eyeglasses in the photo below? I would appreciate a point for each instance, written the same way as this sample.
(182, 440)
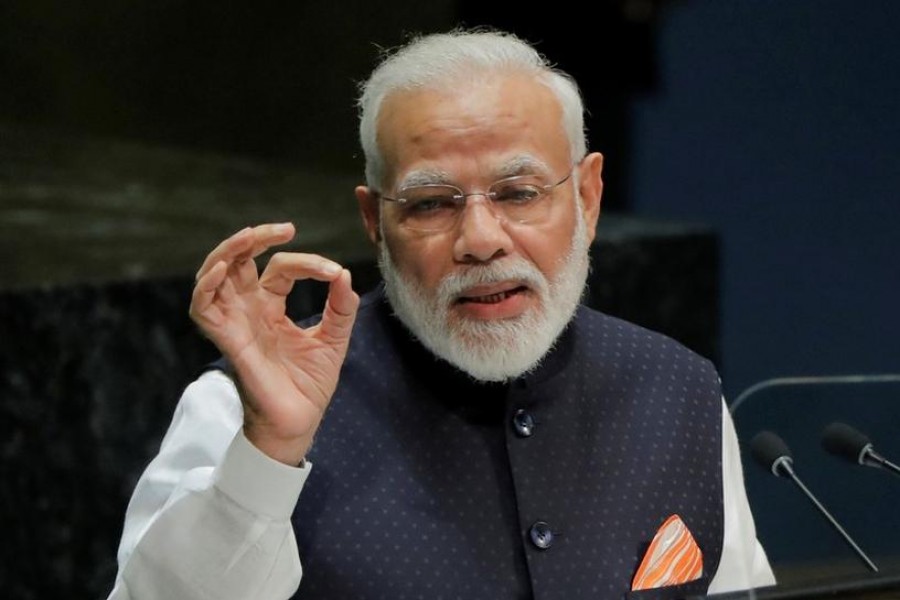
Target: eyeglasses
(432, 208)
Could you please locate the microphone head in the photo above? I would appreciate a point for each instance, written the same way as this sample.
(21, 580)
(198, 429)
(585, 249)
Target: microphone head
(770, 451)
(842, 440)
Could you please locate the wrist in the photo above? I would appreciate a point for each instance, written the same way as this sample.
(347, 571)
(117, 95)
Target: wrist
(291, 452)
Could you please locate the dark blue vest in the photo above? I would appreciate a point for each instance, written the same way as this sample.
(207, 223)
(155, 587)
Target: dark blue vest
(428, 485)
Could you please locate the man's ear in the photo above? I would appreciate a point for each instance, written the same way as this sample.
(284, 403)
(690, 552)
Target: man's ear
(370, 212)
(590, 186)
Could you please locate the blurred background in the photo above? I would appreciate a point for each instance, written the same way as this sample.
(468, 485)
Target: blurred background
(134, 136)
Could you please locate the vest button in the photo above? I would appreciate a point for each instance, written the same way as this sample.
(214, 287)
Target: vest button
(541, 535)
(523, 423)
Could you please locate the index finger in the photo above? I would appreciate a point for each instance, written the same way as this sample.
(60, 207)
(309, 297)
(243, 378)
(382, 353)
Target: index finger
(287, 267)
(247, 243)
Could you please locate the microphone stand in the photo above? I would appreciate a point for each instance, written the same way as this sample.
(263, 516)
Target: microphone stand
(784, 463)
(874, 459)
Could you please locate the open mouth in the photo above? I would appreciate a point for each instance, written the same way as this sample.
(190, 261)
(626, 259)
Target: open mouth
(491, 298)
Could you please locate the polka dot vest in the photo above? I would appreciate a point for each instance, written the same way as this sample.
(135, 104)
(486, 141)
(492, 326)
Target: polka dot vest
(427, 485)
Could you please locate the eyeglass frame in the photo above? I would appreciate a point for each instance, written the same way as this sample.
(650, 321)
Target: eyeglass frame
(463, 196)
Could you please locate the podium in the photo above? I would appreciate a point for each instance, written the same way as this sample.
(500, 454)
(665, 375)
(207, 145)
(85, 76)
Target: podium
(868, 587)
(810, 558)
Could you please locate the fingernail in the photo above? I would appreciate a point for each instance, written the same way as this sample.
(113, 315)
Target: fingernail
(331, 268)
(282, 228)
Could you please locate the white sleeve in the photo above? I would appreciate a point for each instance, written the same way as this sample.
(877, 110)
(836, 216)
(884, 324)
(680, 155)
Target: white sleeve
(210, 516)
(744, 564)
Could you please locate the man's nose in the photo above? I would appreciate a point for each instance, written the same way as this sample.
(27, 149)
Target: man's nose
(481, 233)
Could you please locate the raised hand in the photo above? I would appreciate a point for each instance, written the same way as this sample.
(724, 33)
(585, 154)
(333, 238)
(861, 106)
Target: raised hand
(286, 374)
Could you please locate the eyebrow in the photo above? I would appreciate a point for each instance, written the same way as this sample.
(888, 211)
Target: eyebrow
(523, 164)
(424, 177)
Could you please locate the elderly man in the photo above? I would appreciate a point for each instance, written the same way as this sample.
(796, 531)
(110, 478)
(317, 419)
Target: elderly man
(467, 430)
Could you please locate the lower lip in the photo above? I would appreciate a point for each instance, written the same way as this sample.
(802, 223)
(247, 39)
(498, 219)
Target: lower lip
(512, 305)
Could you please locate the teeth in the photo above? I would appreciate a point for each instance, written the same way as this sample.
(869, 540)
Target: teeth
(491, 299)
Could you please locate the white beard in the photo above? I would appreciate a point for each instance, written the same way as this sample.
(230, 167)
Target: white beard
(496, 350)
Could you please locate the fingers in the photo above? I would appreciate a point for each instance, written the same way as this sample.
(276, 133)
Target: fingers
(340, 310)
(285, 268)
(205, 290)
(229, 272)
(246, 244)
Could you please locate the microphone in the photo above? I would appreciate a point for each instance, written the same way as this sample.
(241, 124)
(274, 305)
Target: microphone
(771, 452)
(846, 442)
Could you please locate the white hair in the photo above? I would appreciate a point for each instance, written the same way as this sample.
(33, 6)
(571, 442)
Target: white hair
(442, 60)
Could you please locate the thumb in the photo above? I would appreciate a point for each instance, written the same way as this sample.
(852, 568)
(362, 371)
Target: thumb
(340, 310)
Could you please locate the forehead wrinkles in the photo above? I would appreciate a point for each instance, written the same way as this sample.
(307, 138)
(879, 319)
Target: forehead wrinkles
(488, 114)
(521, 164)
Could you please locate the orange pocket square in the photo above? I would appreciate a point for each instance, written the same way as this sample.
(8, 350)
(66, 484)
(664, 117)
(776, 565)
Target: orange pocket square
(672, 558)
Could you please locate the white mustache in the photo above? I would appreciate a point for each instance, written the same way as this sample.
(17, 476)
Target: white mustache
(520, 270)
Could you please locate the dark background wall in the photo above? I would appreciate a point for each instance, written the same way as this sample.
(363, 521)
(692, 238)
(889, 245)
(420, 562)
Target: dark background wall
(257, 79)
(777, 123)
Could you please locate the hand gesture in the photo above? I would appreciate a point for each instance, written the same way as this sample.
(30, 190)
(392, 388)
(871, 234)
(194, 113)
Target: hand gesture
(286, 374)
